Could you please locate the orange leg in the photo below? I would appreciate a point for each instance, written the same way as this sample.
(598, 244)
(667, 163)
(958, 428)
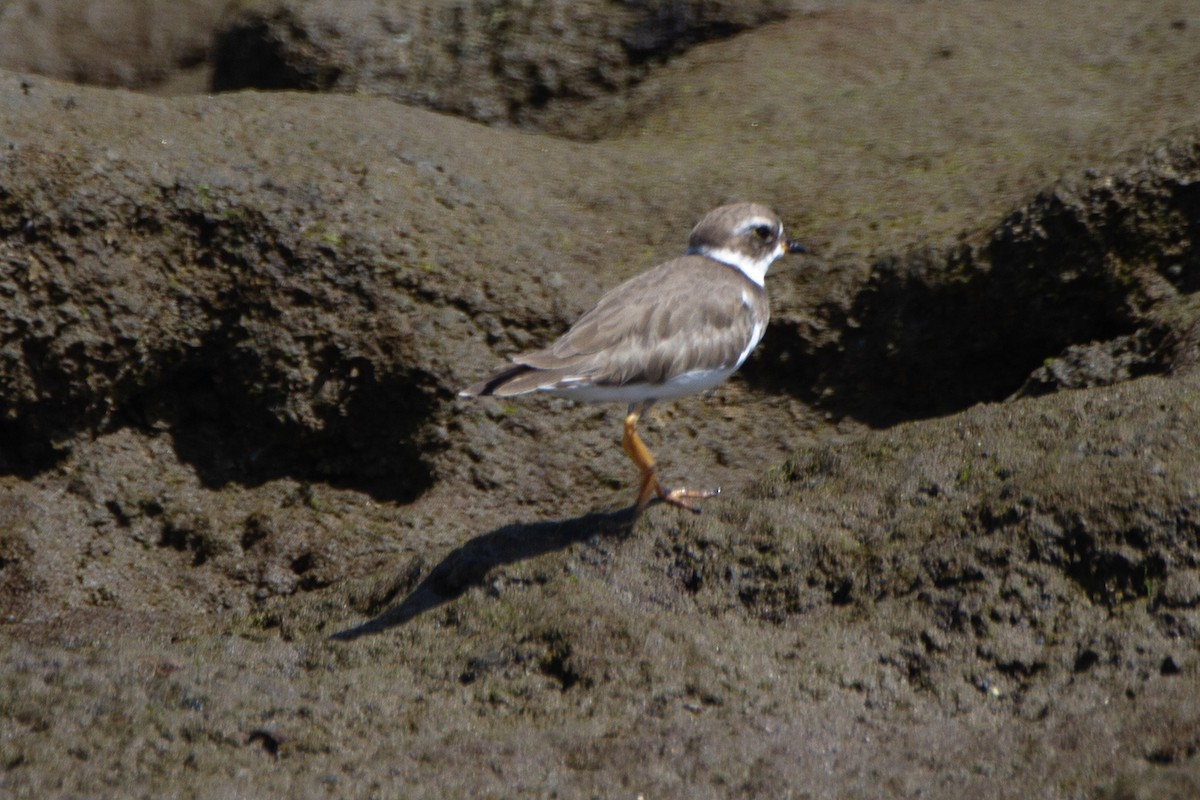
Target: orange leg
(642, 458)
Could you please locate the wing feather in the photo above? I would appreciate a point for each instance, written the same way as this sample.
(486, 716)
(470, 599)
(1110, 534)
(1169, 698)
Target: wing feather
(676, 318)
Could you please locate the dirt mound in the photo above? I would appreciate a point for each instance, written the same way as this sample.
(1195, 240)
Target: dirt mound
(562, 67)
(136, 45)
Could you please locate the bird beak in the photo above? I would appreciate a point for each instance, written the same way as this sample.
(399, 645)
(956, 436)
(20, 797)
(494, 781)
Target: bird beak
(794, 246)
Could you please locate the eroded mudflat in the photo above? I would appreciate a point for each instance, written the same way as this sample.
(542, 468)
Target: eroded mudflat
(251, 542)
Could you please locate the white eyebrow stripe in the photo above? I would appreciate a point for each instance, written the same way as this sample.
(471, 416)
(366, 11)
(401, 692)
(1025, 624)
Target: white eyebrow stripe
(754, 222)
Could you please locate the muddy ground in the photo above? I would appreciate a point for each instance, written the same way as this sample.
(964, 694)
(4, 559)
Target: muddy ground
(252, 544)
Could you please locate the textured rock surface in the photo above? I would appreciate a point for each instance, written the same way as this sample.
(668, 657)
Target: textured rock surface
(563, 66)
(251, 542)
(130, 43)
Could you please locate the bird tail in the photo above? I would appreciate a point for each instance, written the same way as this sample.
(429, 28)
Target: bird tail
(495, 385)
(518, 379)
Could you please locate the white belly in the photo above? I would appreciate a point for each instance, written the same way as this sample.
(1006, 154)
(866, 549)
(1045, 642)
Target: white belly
(679, 386)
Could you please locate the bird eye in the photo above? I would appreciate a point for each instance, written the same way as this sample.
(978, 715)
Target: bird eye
(763, 232)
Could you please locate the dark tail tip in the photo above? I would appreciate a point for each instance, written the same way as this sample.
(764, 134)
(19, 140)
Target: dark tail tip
(497, 381)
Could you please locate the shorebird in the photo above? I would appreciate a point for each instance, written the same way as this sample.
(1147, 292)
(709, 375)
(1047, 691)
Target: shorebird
(675, 330)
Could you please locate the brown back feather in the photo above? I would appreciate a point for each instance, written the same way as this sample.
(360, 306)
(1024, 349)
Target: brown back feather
(677, 317)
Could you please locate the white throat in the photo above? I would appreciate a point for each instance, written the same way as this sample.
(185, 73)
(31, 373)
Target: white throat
(753, 268)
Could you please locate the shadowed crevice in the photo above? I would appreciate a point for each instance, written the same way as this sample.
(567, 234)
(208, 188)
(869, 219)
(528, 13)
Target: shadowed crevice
(1076, 275)
(235, 425)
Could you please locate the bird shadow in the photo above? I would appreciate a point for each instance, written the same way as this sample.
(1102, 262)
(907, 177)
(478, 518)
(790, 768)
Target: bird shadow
(470, 564)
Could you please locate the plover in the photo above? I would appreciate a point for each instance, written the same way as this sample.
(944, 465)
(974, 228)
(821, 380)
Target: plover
(678, 329)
